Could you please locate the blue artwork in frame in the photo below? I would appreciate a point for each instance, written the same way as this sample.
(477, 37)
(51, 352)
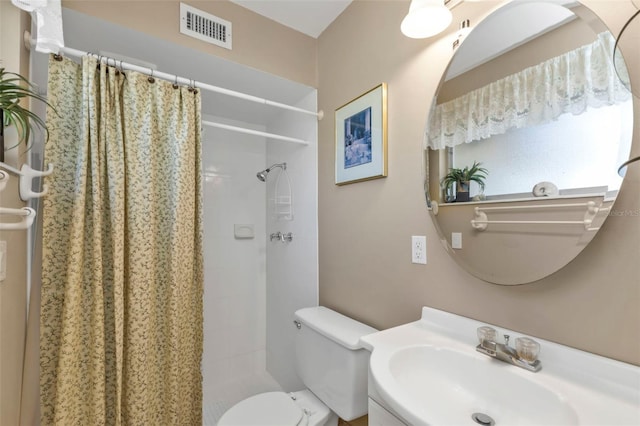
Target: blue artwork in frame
(357, 139)
(361, 137)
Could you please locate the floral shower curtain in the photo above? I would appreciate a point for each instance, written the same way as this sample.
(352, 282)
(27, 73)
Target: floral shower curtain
(121, 322)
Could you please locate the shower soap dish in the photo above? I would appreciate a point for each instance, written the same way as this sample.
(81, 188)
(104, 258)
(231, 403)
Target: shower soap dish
(242, 231)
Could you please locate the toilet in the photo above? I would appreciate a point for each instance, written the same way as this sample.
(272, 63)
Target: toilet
(332, 365)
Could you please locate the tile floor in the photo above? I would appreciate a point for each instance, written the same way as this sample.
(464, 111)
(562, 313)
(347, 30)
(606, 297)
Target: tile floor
(360, 421)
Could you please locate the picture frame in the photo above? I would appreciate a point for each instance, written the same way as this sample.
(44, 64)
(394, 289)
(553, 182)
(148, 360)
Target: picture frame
(361, 137)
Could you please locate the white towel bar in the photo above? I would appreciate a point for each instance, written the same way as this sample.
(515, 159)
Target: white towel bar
(588, 204)
(4, 178)
(480, 221)
(27, 213)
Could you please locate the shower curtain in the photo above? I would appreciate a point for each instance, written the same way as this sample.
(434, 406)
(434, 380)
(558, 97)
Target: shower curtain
(121, 311)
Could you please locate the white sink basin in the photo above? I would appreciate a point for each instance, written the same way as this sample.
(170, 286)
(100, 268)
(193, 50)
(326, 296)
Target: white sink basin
(429, 373)
(452, 386)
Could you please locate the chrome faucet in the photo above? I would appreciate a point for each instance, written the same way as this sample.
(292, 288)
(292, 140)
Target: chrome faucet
(281, 236)
(527, 358)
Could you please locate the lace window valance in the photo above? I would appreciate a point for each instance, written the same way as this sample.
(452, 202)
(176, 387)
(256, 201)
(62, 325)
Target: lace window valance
(584, 77)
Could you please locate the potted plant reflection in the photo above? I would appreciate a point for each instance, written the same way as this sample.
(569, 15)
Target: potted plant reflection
(461, 179)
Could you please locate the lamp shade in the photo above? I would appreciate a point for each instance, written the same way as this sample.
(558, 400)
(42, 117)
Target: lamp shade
(426, 18)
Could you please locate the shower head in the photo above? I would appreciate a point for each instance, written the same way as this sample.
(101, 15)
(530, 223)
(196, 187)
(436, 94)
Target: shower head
(262, 176)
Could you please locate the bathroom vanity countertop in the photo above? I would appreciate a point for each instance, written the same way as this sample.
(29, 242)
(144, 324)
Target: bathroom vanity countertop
(429, 372)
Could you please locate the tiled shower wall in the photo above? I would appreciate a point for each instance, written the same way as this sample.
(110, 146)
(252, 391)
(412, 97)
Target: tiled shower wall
(234, 269)
(292, 268)
(253, 286)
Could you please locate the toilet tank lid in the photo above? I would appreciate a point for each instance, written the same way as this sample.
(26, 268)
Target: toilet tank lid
(335, 326)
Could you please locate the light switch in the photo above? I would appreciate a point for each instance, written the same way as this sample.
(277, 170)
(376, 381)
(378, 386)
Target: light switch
(456, 240)
(3, 260)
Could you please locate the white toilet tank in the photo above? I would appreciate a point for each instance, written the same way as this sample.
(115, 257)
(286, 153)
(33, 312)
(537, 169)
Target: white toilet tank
(330, 360)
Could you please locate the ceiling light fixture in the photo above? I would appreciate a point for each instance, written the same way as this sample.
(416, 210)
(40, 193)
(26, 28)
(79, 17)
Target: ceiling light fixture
(426, 18)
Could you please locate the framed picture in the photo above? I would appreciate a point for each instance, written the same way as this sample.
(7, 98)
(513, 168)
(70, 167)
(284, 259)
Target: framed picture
(361, 137)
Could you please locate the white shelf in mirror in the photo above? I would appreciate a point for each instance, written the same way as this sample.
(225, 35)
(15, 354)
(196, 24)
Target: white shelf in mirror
(606, 197)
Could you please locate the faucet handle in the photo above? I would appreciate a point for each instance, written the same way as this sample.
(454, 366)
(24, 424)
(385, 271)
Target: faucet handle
(527, 349)
(275, 236)
(486, 334)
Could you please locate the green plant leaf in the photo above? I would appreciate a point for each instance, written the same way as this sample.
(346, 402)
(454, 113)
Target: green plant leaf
(14, 88)
(474, 173)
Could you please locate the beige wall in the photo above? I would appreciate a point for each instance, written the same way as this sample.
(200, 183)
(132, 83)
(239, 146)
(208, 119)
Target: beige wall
(365, 261)
(257, 42)
(13, 289)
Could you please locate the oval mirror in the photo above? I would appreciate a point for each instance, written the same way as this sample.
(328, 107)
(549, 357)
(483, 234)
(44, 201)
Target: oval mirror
(524, 140)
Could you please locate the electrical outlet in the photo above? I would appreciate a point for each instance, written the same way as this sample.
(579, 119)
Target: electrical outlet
(419, 249)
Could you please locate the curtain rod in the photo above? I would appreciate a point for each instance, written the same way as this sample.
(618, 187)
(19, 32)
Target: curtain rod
(197, 84)
(254, 132)
(182, 80)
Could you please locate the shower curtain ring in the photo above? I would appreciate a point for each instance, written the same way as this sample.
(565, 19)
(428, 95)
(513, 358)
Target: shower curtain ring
(175, 82)
(115, 66)
(151, 79)
(106, 63)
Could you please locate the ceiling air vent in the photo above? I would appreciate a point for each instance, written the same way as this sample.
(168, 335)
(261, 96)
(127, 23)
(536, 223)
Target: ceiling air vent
(204, 26)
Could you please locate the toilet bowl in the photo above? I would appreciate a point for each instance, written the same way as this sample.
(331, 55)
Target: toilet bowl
(333, 366)
(279, 409)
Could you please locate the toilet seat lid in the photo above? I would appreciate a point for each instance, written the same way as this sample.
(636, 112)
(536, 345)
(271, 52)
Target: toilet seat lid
(265, 409)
